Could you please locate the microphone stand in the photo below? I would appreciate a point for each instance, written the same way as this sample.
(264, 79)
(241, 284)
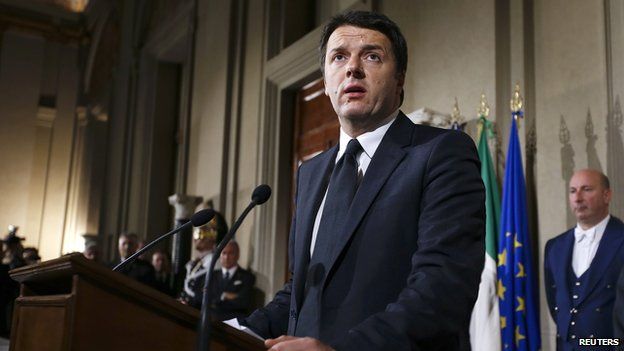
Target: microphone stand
(203, 343)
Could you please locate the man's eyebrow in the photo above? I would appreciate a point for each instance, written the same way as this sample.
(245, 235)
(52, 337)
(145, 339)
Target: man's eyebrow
(365, 47)
(337, 48)
(368, 47)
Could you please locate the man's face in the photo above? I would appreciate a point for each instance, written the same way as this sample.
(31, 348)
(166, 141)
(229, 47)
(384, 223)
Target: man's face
(204, 244)
(159, 261)
(361, 77)
(589, 200)
(91, 253)
(229, 256)
(127, 246)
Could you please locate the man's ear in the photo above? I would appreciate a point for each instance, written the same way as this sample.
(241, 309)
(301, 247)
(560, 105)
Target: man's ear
(401, 79)
(607, 195)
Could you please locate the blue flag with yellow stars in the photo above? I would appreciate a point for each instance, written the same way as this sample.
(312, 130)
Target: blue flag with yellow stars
(516, 288)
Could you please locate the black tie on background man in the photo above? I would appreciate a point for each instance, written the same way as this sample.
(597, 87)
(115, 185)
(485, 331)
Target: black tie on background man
(388, 257)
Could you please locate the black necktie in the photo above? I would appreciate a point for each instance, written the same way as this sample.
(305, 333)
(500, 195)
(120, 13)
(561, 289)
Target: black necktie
(226, 278)
(342, 187)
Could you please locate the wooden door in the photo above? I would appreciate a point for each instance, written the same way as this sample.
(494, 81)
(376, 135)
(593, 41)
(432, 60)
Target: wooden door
(316, 124)
(316, 128)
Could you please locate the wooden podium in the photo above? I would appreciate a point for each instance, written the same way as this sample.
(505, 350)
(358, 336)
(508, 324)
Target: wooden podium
(71, 303)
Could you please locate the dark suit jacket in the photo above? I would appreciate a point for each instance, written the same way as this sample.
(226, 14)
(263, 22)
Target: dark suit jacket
(139, 270)
(593, 314)
(618, 308)
(241, 284)
(404, 273)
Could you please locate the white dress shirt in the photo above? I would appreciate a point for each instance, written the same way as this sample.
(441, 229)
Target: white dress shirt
(231, 271)
(586, 244)
(370, 142)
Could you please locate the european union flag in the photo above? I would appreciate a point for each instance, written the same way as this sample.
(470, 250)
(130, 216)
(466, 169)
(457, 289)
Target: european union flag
(516, 287)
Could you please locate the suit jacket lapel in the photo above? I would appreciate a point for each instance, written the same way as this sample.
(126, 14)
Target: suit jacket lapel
(563, 265)
(387, 157)
(313, 182)
(610, 243)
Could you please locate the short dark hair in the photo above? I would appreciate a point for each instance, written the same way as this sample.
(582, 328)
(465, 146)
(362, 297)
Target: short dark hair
(367, 20)
(605, 181)
(234, 243)
(130, 236)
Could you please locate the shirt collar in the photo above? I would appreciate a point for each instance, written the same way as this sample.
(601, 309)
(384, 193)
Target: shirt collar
(370, 140)
(591, 233)
(231, 270)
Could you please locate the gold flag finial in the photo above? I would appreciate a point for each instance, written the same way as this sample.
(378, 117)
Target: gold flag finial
(516, 102)
(456, 118)
(484, 107)
(456, 113)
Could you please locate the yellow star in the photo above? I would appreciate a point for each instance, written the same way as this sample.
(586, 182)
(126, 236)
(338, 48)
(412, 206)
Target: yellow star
(520, 307)
(517, 244)
(503, 322)
(502, 258)
(501, 290)
(521, 273)
(519, 336)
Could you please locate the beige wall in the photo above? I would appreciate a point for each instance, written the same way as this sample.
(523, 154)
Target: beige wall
(451, 52)
(37, 141)
(247, 163)
(21, 59)
(209, 101)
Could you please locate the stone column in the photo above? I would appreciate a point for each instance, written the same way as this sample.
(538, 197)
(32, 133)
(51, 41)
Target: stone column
(181, 245)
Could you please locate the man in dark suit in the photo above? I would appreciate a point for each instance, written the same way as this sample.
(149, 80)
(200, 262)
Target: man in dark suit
(231, 286)
(581, 266)
(386, 246)
(139, 270)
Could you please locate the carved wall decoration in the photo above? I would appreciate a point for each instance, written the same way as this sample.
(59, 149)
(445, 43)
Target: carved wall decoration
(593, 161)
(567, 166)
(615, 160)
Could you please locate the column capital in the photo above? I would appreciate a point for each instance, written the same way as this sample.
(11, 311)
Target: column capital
(184, 205)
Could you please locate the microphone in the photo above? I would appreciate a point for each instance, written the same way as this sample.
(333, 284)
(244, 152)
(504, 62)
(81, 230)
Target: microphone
(260, 195)
(197, 220)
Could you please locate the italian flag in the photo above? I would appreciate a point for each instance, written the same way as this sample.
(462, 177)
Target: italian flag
(485, 320)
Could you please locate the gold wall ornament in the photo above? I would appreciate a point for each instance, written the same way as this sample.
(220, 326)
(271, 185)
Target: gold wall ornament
(484, 107)
(516, 103)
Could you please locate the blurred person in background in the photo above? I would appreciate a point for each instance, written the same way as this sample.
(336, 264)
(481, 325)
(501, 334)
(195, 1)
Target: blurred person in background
(12, 249)
(204, 241)
(162, 269)
(31, 255)
(139, 270)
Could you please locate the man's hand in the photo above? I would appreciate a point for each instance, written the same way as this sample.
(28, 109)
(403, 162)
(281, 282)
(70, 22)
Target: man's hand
(292, 343)
(229, 296)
